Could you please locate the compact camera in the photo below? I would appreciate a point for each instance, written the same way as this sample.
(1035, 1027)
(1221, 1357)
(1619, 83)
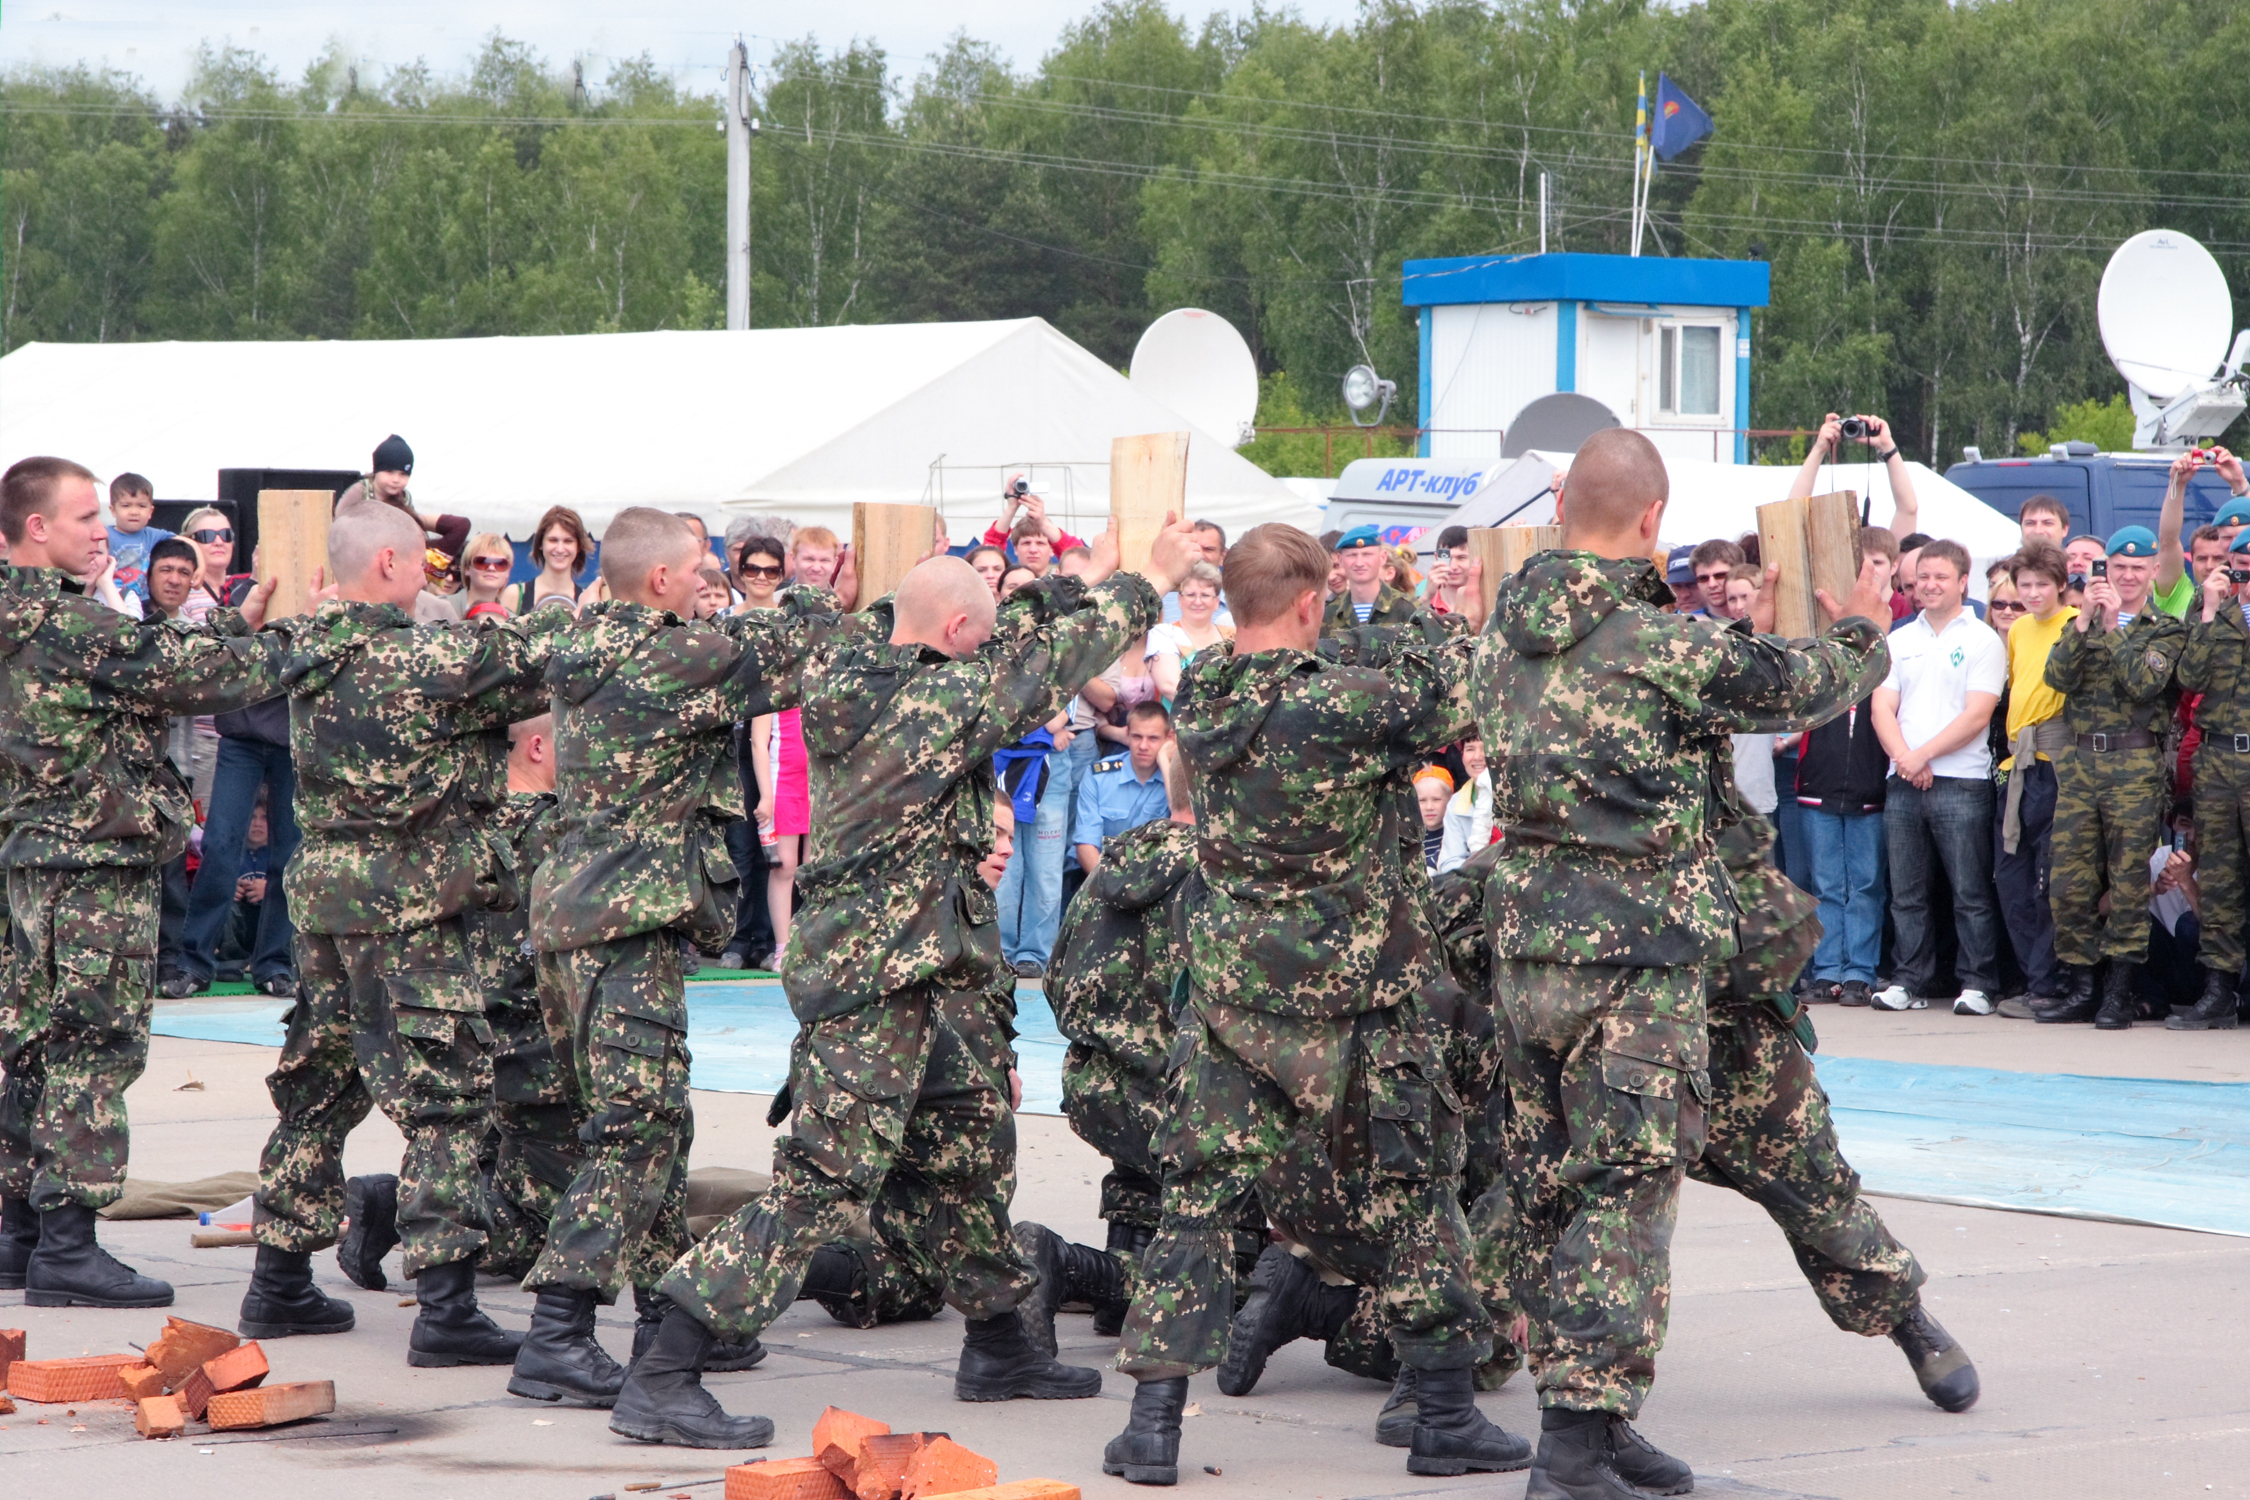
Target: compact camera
(2238, 575)
(1858, 429)
(2101, 567)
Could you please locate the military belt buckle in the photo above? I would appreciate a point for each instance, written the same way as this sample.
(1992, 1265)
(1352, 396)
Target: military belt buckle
(2101, 741)
(2242, 744)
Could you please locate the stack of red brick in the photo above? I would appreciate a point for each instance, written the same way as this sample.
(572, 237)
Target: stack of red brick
(859, 1458)
(191, 1373)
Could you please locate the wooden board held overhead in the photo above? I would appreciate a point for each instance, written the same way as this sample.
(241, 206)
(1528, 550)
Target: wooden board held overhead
(1505, 549)
(292, 546)
(1147, 481)
(887, 541)
(1816, 543)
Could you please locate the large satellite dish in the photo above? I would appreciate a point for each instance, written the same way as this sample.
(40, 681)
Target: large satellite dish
(1194, 362)
(1555, 424)
(2165, 313)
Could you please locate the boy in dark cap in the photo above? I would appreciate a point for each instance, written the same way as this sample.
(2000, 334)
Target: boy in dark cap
(386, 480)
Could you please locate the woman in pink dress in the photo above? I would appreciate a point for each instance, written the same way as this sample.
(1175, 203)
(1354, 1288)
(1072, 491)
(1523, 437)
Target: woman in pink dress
(777, 756)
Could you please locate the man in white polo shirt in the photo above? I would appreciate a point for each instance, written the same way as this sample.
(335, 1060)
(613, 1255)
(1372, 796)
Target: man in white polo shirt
(1931, 714)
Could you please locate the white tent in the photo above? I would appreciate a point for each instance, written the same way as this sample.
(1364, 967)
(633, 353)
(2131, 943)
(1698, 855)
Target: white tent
(794, 422)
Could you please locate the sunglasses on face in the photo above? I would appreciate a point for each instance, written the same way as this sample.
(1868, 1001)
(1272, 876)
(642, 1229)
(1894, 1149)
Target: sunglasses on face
(761, 570)
(2004, 606)
(1713, 577)
(208, 535)
(491, 564)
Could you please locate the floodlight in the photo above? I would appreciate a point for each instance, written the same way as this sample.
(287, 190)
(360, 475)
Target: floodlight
(1364, 388)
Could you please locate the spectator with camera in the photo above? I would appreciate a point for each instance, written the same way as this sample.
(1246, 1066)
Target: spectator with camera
(2114, 667)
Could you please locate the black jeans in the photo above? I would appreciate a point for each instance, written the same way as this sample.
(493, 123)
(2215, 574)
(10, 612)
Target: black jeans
(2021, 878)
(1950, 825)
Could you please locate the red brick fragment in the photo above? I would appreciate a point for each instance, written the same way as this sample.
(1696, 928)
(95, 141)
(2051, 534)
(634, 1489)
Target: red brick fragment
(94, 1378)
(883, 1458)
(237, 1369)
(183, 1347)
(785, 1479)
(944, 1467)
(141, 1381)
(836, 1437)
(11, 1350)
(271, 1405)
(159, 1417)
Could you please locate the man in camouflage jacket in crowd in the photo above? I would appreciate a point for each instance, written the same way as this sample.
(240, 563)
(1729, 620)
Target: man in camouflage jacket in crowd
(1308, 960)
(89, 809)
(389, 724)
(894, 914)
(645, 698)
(1605, 909)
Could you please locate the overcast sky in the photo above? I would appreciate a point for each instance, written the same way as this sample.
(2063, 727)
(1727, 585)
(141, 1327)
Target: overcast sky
(158, 41)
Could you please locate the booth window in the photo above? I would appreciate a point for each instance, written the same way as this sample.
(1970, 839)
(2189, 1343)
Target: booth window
(1688, 369)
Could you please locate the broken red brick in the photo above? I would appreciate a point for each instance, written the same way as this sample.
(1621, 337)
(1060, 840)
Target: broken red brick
(141, 1381)
(944, 1467)
(836, 1437)
(94, 1378)
(11, 1350)
(159, 1417)
(271, 1405)
(183, 1348)
(785, 1479)
(237, 1369)
(883, 1458)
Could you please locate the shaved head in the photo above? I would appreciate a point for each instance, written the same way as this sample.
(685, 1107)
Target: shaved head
(638, 542)
(362, 531)
(944, 604)
(1614, 478)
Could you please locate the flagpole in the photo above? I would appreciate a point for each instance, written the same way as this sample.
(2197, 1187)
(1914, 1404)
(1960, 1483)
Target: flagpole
(1640, 156)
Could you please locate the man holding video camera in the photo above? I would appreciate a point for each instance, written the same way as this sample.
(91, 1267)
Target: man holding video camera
(2114, 667)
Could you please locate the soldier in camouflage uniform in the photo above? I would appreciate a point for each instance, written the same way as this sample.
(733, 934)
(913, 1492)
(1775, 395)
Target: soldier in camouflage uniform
(2119, 693)
(89, 810)
(893, 1111)
(646, 697)
(1604, 909)
(388, 723)
(1307, 963)
(2216, 663)
(1361, 552)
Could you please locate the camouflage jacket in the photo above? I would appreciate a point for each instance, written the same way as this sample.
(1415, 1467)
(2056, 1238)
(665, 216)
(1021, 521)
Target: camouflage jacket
(1391, 608)
(645, 708)
(2116, 681)
(389, 724)
(2216, 663)
(900, 742)
(1315, 909)
(1123, 945)
(522, 829)
(86, 699)
(1599, 712)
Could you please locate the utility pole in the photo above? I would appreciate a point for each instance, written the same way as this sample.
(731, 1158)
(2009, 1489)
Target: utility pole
(738, 128)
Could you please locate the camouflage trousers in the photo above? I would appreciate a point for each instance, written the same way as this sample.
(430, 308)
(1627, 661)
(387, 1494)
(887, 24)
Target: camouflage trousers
(2109, 815)
(389, 1019)
(1606, 1083)
(623, 1219)
(895, 1115)
(2222, 855)
(1372, 1092)
(1771, 1139)
(531, 1150)
(76, 988)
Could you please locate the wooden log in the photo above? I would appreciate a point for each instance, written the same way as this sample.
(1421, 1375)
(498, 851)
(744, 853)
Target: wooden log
(1147, 481)
(1505, 549)
(1822, 553)
(292, 546)
(887, 541)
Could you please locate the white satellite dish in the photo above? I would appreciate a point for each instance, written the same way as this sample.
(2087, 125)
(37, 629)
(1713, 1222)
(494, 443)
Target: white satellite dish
(2166, 317)
(1197, 364)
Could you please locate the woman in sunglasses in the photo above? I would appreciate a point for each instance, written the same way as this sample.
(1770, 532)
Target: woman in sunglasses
(777, 759)
(212, 532)
(486, 561)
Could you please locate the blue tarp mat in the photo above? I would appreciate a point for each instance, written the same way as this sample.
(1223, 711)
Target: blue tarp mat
(2141, 1150)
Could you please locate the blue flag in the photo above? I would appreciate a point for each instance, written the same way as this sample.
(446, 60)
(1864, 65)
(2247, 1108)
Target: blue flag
(1680, 122)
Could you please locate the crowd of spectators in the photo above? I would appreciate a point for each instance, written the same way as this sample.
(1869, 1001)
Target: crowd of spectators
(1928, 819)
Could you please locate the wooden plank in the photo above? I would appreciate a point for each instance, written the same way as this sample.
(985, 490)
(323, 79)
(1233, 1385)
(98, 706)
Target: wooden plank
(1832, 540)
(1147, 481)
(1505, 549)
(1784, 543)
(292, 545)
(888, 540)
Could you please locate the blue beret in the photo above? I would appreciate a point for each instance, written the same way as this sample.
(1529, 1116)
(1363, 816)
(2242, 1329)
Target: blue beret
(2235, 512)
(1359, 536)
(2241, 543)
(1680, 566)
(2132, 541)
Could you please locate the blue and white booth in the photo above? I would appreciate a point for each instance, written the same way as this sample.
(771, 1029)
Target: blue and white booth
(1664, 344)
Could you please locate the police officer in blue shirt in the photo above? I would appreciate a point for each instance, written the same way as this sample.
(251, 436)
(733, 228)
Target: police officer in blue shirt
(1125, 792)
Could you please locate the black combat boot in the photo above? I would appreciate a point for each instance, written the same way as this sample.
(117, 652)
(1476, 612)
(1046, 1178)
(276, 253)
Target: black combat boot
(371, 1206)
(1451, 1436)
(1126, 1242)
(1394, 1424)
(69, 1268)
(1067, 1273)
(561, 1360)
(1940, 1365)
(2214, 1011)
(998, 1363)
(1148, 1450)
(2078, 1004)
(283, 1302)
(724, 1359)
(839, 1279)
(2118, 1004)
(1596, 1455)
(19, 1236)
(450, 1330)
(1287, 1302)
(663, 1400)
